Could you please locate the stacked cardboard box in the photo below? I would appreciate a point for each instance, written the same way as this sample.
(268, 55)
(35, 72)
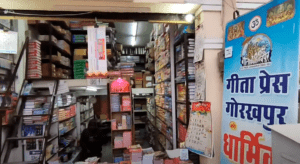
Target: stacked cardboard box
(138, 80)
(79, 69)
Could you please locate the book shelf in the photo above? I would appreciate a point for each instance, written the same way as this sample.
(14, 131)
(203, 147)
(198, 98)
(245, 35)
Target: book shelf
(55, 46)
(121, 116)
(185, 83)
(140, 114)
(163, 90)
(64, 124)
(79, 42)
(86, 110)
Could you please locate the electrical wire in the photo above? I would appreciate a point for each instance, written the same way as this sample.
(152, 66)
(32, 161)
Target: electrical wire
(60, 15)
(229, 4)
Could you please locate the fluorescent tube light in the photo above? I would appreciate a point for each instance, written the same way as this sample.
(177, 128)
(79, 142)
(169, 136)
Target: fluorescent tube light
(91, 89)
(134, 28)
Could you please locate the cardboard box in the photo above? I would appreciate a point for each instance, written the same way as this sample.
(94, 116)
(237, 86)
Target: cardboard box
(78, 57)
(148, 79)
(138, 86)
(138, 79)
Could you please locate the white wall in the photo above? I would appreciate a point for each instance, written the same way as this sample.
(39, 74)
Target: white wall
(214, 94)
(16, 154)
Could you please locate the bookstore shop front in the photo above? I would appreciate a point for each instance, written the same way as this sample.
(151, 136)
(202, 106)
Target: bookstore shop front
(86, 90)
(149, 83)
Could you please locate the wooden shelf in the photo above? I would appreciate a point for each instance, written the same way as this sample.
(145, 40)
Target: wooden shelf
(163, 122)
(67, 131)
(57, 64)
(166, 80)
(45, 46)
(168, 110)
(121, 130)
(51, 156)
(180, 121)
(120, 93)
(61, 149)
(46, 28)
(62, 24)
(86, 110)
(139, 122)
(62, 107)
(139, 111)
(53, 138)
(122, 148)
(168, 64)
(66, 119)
(122, 112)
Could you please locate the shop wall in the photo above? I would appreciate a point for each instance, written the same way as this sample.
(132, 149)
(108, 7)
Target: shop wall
(214, 92)
(212, 25)
(20, 26)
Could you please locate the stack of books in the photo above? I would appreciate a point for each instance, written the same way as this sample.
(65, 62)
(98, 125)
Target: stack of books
(79, 38)
(36, 106)
(191, 69)
(192, 89)
(34, 70)
(191, 47)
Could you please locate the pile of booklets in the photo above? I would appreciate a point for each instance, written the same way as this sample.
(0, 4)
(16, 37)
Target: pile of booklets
(34, 70)
(36, 106)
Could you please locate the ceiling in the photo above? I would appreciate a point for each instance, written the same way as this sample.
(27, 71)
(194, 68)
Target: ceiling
(125, 34)
(176, 6)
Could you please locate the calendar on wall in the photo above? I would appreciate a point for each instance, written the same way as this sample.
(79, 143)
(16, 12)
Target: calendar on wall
(199, 134)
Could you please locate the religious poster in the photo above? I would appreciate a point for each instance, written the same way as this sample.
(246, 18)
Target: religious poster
(260, 81)
(200, 81)
(199, 134)
(97, 58)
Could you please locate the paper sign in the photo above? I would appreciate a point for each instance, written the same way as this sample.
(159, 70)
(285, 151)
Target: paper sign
(228, 52)
(200, 82)
(148, 78)
(93, 82)
(97, 50)
(199, 47)
(62, 87)
(260, 82)
(9, 42)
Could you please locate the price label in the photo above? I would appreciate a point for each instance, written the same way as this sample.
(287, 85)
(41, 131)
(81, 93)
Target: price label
(228, 52)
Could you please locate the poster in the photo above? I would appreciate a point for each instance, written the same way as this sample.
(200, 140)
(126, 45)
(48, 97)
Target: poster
(199, 134)
(199, 43)
(9, 42)
(200, 81)
(97, 57)
(260, 81)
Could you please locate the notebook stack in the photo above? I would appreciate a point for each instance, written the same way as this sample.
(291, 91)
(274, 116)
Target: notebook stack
(79, 38)
(191, 69)
(191, 47)
(34, 70)
(127, 69)
(192, 89)
(79, 69)
(115, 102)
(36, 106)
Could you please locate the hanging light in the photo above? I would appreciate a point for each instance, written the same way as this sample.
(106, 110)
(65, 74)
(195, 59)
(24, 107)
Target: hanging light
(189, 18)
(134, 33)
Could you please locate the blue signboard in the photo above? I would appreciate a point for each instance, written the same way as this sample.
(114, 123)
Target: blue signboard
(261, 80)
